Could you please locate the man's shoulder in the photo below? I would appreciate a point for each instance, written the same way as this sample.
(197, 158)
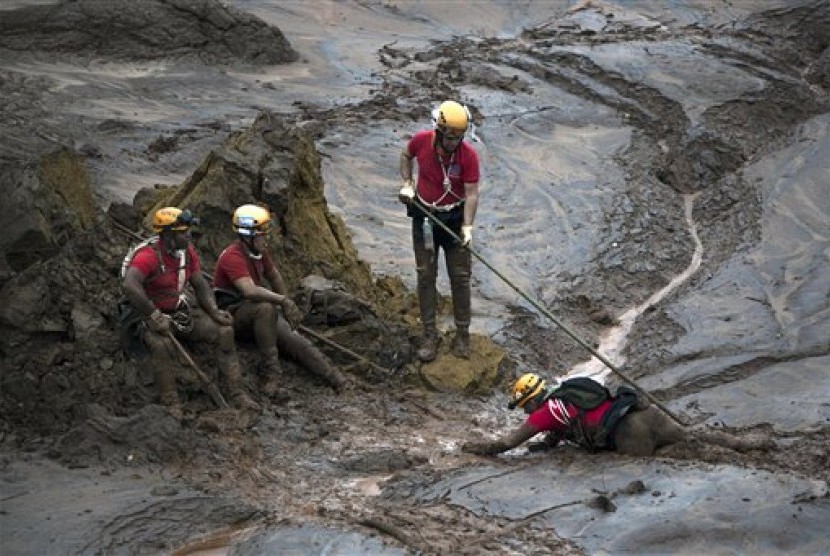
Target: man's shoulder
(421, 138)
(148, 252)
(230, 251)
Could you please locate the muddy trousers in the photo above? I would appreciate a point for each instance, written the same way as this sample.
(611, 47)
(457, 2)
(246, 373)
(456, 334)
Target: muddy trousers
(274, 336)
(163, 354)
(459, 265)
(640, 433)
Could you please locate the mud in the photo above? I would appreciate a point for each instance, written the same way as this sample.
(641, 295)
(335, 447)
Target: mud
(596, 122)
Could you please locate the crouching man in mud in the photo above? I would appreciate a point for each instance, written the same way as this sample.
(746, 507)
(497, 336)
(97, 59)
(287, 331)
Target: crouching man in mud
(155, 277)
(266, 314)
(582, 411)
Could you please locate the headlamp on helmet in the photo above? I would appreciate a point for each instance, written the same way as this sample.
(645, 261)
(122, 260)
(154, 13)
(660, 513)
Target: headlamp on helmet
(251, 220)
(527, 387)
(173, 219)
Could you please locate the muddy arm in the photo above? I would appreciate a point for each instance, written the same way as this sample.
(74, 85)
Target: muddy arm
(251, 291)
(470, 202)
(406, 165)
(134, 290)
(489, 448)
(204, 294)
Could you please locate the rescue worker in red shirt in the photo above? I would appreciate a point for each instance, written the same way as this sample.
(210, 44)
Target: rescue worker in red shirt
(265, 313)
(637, 428)
(154, 283)
(447, 187)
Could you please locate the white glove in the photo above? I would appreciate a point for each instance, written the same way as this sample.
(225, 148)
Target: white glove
(466, 235)
(407, 193)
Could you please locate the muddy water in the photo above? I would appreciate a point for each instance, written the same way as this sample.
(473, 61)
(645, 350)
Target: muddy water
(614, 340)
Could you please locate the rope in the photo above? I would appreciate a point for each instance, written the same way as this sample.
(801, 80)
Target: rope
(553, 319)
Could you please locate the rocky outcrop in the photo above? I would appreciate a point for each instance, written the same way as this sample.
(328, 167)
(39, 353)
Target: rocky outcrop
(205, 30)
(61, 357)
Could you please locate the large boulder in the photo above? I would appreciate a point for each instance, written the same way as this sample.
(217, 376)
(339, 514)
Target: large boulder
(44, 204)
(192, 30)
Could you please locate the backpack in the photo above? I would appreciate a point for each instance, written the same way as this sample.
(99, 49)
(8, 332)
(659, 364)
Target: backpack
(582, 392)
(151, 241)
(585, 394)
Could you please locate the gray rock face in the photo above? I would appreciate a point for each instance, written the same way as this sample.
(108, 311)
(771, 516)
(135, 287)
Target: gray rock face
(201, 31)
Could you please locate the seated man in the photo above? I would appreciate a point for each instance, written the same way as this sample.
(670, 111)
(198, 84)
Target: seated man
(154, 281)
(239, 284)
(624, 423)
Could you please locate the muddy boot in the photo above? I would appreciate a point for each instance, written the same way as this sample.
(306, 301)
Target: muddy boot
(334, 377)
(239, 398)
(166, 384)
(273, 371)
(461, 343)
(429, 345)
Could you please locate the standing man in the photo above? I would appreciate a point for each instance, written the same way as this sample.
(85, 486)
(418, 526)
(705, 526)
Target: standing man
(155, 276)
(447, 188)
(239, 284)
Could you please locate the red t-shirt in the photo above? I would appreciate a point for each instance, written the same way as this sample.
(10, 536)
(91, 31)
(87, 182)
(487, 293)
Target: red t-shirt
(461, 167)
(162, 285)
(556, 415)
(234, 263)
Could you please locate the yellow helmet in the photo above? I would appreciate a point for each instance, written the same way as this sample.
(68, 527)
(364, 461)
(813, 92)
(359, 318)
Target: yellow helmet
(172, 218)
(251, 220)
(525, 389)
(452, 115)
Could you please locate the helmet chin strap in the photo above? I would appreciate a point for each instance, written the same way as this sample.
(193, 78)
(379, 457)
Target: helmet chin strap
(248, 242)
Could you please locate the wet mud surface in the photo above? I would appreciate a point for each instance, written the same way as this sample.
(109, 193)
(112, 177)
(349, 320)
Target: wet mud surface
(599, 124)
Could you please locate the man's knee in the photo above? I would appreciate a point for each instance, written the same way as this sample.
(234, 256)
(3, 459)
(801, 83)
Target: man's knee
(157, 345)
(634, 435)
(264, 310)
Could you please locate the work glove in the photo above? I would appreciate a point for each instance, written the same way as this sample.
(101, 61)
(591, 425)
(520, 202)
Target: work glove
(466, 236)
(223, 318)
(482, 448)
(159, 323)
(407, 193)
(292, 313)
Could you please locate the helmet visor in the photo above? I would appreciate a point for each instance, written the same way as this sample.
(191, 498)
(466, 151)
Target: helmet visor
(247, 226)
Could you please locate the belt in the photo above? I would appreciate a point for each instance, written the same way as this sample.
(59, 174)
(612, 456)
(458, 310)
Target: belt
(441, 208)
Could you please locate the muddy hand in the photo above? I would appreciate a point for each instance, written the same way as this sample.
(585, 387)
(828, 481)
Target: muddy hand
(481, 448)
(159, 323)
(221, 317)
(292, 313)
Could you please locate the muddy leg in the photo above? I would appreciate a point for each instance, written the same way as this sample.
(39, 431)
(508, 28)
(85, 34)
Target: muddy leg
(726, 440)
(161, 358)
(303, 352)
(640, 433)
(458, 268)
(205, 329)
(426, 266)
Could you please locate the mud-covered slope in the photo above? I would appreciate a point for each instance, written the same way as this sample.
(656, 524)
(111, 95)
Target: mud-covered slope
(600, 123)
(205, 31)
